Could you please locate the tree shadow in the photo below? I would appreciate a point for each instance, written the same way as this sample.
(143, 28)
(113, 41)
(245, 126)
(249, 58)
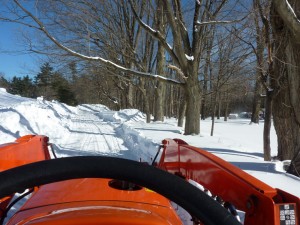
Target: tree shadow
(235, 152)
(260, 165)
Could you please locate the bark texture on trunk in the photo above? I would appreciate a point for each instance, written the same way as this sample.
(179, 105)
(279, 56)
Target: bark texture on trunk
(145, 100)
(256, 102)
(161, 61)
(160, 87)
(286, 105)
(181, 113)
(129, 96)
(159, 102)
(193, 105)
(294, 168)
(267, 126)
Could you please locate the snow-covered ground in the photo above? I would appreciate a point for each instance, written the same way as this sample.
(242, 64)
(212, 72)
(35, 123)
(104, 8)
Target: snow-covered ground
(96, 130)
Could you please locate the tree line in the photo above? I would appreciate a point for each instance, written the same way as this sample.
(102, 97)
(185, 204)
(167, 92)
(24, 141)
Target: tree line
(73, 85)
(47, 83)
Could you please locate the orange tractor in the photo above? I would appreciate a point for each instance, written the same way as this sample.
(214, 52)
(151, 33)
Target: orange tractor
(93, 190)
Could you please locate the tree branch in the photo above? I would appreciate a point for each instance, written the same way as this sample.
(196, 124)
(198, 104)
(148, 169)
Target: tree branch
(179, 72)
(177, 38)
(93, 58)
(19, 22)
(220, 22)
(183, 29)
(155, 34)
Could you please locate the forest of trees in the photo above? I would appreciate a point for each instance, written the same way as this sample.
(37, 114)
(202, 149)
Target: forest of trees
(190, 59)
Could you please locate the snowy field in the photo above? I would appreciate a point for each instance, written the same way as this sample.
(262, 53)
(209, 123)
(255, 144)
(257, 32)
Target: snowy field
(96, 130)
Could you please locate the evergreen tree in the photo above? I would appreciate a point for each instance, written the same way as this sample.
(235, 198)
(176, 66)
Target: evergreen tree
(44, 77)
(62, 89)
(22, 86)
(43, 81)
(3, 82)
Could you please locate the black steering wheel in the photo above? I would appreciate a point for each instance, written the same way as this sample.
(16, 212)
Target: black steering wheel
(196, 202)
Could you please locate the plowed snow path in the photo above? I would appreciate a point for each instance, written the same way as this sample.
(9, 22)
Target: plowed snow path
(89, 135)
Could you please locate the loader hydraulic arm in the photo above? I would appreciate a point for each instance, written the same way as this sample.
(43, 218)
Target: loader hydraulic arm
(261, 203)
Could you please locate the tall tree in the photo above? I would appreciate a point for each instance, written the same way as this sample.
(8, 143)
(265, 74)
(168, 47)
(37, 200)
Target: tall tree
(259, 52)
(160, 88)
(286, 108)
(186, 49)
(264, 70)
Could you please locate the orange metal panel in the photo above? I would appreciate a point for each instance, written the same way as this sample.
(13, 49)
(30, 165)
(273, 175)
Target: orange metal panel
(24, 150)
(90, 213)
(222, 179)
(90, 189)
(27, 149)
(92, 201)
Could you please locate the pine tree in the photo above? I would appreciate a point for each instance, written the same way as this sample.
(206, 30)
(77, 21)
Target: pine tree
(3, 82)
(62, 89)
(22, 86)
(43, 81)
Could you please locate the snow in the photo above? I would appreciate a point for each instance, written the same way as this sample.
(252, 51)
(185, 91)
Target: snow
(170, 47)
(189, 57)
(97, 130)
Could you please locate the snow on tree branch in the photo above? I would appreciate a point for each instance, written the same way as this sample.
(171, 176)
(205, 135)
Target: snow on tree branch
(292, 11)
(219, 22)
(107, 63)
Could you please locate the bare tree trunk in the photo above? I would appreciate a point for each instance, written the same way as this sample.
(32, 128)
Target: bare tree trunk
(145, 100)
(160, 86)
(192, 123)
(181, 111)
(219, 106)
(170, 101)
(226, 111)
(286, 106)
(129, 96)
(206, 70)
(159, 102)
(204, 102)
(266, 79)
(214, 106)
(193, 102)
(267, 126)
(294, 168)
(226, 104)
(256, 102)
(287, 132)
(260, 43)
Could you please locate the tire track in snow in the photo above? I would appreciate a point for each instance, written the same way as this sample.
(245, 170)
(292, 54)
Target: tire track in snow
(105, 138)
(88, 134)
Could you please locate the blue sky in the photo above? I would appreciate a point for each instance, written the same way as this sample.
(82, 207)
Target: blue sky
(14, 62)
